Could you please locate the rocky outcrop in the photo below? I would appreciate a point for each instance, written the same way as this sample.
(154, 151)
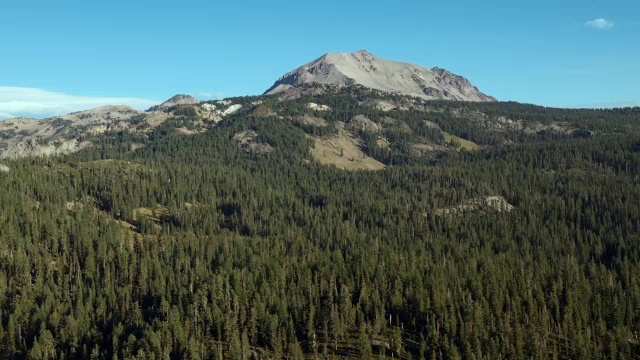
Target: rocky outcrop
(483, 204)
(365, 69)
(318, 107)
(247, 139)
(232, 109)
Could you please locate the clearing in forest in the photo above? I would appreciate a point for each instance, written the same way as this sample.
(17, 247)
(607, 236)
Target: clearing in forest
(344, 151)
(461, 143)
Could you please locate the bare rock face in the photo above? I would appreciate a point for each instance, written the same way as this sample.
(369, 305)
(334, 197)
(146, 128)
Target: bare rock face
(365, 69)
(318, 107)
(22, 137)
(232, 110)
(65, 134)
(32, 147)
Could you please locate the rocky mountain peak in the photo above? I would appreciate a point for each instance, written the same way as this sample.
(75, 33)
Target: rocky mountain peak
(364, 68)
(180, 99)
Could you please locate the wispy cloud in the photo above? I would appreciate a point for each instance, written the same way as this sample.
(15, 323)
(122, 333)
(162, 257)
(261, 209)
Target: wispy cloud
(205, 95)
(32, 102)
(600, 24)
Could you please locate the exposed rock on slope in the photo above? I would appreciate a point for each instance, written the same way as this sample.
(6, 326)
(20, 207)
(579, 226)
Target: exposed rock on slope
(101, 115)
(57, 135)
(20, 137)
(248, 140)
(46, 148)
(318, 107)
(232, 110)
(485, 203)
(363, 68)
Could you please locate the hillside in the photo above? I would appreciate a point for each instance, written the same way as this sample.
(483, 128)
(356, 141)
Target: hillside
(182, 114)
(343, 222)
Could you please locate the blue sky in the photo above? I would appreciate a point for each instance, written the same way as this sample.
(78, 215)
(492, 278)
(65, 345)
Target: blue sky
(68, 54)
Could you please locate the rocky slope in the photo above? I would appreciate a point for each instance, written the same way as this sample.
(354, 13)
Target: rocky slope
(20, 137)
(353, 128)
(368, 70)
(59, 135)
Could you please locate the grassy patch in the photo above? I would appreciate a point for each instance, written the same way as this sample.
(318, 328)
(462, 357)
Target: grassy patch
(460, 142)
(343, 150)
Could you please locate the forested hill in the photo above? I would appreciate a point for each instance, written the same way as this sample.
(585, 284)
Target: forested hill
(488, 231)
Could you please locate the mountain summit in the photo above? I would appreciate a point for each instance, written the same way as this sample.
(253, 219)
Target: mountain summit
(179, 99)
(363, 68)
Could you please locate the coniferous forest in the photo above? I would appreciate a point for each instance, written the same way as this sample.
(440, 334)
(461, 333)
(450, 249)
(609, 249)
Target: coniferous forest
(194, 247)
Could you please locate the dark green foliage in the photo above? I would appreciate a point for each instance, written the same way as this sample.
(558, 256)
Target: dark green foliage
(275, 255)
(185, 111)
(138, 119)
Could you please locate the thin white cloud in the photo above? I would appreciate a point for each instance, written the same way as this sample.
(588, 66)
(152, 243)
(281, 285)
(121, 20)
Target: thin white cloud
(600, 24)
(32, 102)
(210, 95)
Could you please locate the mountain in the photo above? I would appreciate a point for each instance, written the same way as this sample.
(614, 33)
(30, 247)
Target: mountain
(177, 100)
(21, 137)
(368, 70)
(65, 134)
(101, 115)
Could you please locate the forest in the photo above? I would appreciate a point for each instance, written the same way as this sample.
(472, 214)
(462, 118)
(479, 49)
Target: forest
(192, 247)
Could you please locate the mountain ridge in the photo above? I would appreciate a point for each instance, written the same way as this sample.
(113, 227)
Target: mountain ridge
(64, 134)
(180, 99)
(364, 68)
